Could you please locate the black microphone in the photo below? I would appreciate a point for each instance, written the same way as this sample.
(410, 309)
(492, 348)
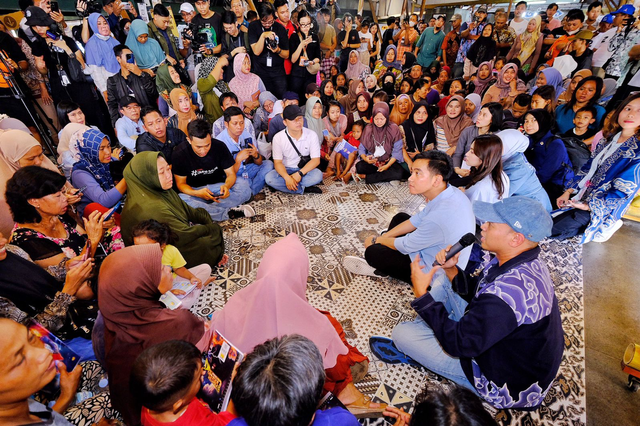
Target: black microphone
(465, 241)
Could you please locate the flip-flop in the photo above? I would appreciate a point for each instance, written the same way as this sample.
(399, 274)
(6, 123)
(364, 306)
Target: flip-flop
(384, 349)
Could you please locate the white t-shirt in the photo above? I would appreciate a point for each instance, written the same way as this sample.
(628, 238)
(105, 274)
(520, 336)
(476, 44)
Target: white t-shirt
(365, 41)
(519, 27)
(600, 44)
(307, 145)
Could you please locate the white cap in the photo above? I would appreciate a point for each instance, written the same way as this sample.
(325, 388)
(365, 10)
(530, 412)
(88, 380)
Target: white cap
(187, 7)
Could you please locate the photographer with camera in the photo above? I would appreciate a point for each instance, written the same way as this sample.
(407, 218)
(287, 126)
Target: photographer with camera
(130, 79)
(210, 23)
(234, 41)
(270, 46)
(305, 55)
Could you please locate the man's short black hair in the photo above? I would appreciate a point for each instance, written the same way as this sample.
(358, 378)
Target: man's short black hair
(342, 89)
(280, 3)
(117, 50)
(360, 123)
(552, 5)
(594, 5)
(162, 374)
(439, 163)
(421, 83)
(325, 11)
(198, 129)
(279, 383)
(264, 9)
(28, 183)
(391, 20)
(229, 17)
(227, 95)
(381, 95)
(574, 14)
(161, 10)
(251, 15)
(231, 112)
(148, 109)
(521, 2)
(523, 99)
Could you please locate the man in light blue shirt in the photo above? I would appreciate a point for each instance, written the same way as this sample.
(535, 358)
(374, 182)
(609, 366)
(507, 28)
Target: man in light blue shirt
(242, 145)
(129, 126)
(227, 100)
(445, 219)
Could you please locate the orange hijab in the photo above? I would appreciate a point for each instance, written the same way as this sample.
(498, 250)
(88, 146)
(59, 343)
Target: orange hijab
(184, 118)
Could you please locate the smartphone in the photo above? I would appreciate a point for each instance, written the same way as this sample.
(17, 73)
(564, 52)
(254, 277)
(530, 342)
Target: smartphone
(130, 58)
(126, 6)
(113, 210)
(86, 253)
(80, 190)
(52, 35)
(54, 6)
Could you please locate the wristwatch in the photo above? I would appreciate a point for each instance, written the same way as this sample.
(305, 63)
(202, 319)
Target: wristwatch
(300, 173)
(373, 240)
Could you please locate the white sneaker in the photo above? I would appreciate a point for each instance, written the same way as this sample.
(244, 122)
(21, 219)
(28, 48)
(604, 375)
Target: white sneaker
(358, 266)
(247, 210)
(608, 233)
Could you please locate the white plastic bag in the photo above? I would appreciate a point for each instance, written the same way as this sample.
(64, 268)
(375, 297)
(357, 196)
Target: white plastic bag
(264, 147)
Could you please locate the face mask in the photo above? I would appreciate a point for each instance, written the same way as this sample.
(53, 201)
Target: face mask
(412, 24)
(573, 32)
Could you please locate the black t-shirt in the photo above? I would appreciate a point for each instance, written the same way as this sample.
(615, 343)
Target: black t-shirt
(175, 138)
(11, 48)
(354, 38)
(201, 171)
(215, 21)
(259, 63)
(313, 52)
(558, 32)
(52, 57)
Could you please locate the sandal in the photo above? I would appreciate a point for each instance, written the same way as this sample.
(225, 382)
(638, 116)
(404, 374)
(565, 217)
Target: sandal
(386, 351)
(362, 409)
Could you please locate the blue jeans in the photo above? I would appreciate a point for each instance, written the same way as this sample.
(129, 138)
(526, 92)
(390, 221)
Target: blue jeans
(239, 193)
(256, 174)
(277, 182)
(417, 339)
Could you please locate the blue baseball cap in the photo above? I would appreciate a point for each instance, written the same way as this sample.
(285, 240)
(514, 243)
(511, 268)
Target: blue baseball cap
(523, 214)
(608, 19)
(627, 9)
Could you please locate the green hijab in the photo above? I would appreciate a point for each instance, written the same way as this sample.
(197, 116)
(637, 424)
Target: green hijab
(199, 239)
(165, 83)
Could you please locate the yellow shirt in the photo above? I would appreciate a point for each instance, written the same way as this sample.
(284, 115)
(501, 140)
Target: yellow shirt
(171, 257)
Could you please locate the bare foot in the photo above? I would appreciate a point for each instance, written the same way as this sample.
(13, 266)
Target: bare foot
(346, 178)
(329, 173)
(224, 260)
(351, 395)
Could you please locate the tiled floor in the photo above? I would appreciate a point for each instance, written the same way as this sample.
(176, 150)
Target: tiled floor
(335, 224)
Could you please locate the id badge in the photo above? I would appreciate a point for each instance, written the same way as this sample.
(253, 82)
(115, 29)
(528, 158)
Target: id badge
(64, 78)
(379, 152)
(269, 61)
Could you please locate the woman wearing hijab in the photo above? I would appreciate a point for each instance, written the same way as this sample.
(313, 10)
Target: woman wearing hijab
(381, 148)
(472, 105)
(246, 85)
(577, 78)
(482, 50)
(362, 111)
(313, 116)
(185, 110)
(167, 79)
(263, 113)
(147, 51)
(210, 77)
(92, 172)
(417, 133)
(275, 304)
(349, 102)
(506, 88)
(150, 196)
(100, 59)
(449, 126)
(135, 319)
(356, 70)
(522, 175)
(388, 63)
(484, 78)
(68, 146)
(550, 77)
(401, 109)
(528, 46)
(371, 84)
(19, 149)
(547, 153)
(408, 61)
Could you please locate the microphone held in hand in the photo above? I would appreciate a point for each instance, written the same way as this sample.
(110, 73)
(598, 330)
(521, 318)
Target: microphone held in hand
(465, 241)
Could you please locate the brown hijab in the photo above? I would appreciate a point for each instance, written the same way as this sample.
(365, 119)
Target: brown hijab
(134, 318)
(385, 136)
(349, 101)
(184, 118)
(454, 126)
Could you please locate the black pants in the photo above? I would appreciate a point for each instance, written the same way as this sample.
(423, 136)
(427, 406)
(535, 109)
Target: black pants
(570, 223)
(389, 261)
(554, 191)
(298, 84)
(395, 172)
(276, 84)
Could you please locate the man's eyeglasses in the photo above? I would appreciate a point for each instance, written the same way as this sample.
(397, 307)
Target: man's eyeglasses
(267, 20)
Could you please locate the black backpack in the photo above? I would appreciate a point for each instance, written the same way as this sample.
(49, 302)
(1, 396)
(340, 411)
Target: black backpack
(579, 152)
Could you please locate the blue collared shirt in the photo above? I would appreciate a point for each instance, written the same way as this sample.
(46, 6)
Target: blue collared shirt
(128, 131)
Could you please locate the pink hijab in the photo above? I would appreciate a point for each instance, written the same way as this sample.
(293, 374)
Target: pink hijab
(243, 85)
(276, 305)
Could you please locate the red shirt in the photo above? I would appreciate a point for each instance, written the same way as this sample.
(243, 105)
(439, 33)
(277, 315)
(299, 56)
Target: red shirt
(290, 30)
(198, 414)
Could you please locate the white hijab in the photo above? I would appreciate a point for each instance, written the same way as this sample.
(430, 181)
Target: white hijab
(513, 142)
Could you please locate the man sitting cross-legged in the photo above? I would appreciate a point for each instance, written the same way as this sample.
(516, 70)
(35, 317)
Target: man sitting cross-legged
(444, 220)
(205, 175)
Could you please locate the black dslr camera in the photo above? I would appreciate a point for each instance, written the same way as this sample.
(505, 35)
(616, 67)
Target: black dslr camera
(271, 43)
(93, 6)
(197, 38)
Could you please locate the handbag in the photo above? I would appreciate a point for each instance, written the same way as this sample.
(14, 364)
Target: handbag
(304, 159)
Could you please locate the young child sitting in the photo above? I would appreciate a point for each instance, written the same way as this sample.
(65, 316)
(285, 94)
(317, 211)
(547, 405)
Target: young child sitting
(584, 118)
(336, 125)
(346, 172)
(166, 378)
(341, 92)
(153, 232)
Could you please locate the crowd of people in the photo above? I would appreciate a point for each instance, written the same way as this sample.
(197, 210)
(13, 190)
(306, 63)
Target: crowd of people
(521, 129)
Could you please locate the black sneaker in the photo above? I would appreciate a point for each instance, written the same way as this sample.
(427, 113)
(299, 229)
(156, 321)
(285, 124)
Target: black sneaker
(236, 214)
(312, 190)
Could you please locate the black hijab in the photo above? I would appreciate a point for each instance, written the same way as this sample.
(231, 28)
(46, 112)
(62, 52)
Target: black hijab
(389, 88)
(545, 122)
(484, 49)
(419, 135)
(409, 61)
